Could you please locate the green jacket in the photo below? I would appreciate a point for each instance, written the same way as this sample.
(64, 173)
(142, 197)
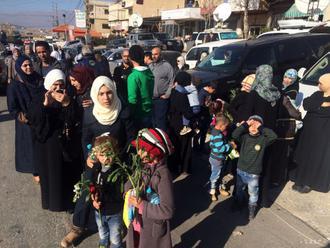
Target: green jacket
(252, 148)
(140, 87)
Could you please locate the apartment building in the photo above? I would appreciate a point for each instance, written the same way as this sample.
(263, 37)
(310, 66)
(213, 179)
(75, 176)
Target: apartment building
(98, 16)
(176, 17)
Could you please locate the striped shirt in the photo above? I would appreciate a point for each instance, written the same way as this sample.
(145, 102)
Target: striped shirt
(218, 144)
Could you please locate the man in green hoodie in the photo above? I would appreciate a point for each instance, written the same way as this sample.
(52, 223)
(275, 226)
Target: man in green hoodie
(140, 86)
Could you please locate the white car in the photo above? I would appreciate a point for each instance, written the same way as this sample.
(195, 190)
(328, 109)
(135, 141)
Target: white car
(195, 52)
(308, 83)
(282, 32)
(225, 34)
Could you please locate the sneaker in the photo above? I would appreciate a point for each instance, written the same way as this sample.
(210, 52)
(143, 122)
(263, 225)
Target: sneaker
(185, 130)
(224, 192)
(72, 236)
(197, 131)
(214, 197)
(305, 189)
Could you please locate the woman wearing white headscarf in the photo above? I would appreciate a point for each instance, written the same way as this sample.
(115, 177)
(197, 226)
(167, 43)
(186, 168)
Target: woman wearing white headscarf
(180, 65)
(107, 115)
(53, 119)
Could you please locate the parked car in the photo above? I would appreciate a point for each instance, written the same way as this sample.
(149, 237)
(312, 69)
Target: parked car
(194, 54)
(116, 43)
(114, 58)
(229, 64)
(308, 83)
(74, 44)
(144, 39)
(218, 35)
(169, 43)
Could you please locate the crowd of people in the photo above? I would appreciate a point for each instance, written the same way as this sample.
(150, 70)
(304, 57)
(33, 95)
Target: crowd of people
(78, 119)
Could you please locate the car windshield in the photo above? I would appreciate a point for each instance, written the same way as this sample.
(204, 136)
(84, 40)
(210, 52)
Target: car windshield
(145, 37)
(228, 35)
(225, 59)
(322, 67)
(163, 36)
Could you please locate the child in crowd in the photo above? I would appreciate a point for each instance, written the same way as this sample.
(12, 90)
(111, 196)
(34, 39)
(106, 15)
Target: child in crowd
(184, 85)
(254, 138)
(219, 149)
(151, 225)
(106, 195)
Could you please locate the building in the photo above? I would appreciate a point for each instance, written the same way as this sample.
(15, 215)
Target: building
(98, 16)
(176, 17)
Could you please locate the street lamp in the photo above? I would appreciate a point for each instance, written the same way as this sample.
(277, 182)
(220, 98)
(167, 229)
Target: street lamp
(64, 18)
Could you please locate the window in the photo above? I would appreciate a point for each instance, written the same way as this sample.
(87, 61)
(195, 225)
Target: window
(105, 26)
(293, 53)
(258, 56)
(322, 67)
(320, 44)
(106, 12)
(228, 35)
(195, 53)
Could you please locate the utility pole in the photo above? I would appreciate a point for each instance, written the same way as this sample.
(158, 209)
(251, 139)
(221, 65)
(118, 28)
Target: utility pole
(87, 36)
(56, 12)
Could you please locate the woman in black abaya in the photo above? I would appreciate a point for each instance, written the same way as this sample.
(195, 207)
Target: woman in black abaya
(54, 120)
(19, 96)
(312, 154)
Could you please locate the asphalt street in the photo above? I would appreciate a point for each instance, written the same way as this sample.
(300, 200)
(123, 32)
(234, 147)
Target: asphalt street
(198, 221)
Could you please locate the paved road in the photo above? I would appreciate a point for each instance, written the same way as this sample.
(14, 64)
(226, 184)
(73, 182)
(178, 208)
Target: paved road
(198, 222)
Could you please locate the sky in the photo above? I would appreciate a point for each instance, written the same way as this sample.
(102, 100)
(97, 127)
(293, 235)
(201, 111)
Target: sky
(38, 13)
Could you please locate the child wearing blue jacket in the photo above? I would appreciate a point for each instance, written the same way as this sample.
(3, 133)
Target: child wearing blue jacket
(219, 149)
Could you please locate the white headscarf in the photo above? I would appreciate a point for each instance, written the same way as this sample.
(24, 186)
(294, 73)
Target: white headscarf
(105, 115)
(53, 76)
(180, 61)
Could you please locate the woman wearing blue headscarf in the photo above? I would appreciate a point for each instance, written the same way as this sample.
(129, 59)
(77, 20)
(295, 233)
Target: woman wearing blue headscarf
(20, 92)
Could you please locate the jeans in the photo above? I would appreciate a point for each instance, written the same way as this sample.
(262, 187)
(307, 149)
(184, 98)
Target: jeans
(195, 110)
(110, 227)
(216, 166)
(159, 113)
(252, 182)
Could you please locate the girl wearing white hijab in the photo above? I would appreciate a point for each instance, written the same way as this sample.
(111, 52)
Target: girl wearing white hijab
(181, 65)
(107, 115)
(107, 105)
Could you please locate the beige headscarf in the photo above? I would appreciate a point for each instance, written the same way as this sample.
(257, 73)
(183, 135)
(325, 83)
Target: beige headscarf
(105, 115)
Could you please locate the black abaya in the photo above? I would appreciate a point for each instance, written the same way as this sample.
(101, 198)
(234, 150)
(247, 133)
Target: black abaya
(312, 154)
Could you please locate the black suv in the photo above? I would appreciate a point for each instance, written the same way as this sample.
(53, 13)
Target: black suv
(168, 42)
(229, 64)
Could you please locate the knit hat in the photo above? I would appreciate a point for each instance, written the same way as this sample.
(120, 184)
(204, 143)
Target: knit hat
(136, 54)
(155, 142)
(249, 79)
(292, 74)
(53, 76)
(257, 118)
(183, 78)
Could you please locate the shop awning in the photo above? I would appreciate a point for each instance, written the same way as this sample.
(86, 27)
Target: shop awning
(293, 12)
(182, 14)
(75, 30)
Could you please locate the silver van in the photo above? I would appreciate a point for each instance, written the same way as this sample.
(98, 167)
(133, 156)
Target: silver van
(144, 39)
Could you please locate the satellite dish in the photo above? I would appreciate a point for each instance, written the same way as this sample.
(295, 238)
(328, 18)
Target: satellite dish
(135, 21)
(318, 5)
(222, 12)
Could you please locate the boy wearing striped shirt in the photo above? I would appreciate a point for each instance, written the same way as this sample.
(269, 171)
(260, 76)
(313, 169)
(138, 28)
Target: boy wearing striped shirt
(219, 149)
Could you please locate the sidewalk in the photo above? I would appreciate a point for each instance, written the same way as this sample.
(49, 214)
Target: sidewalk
(312, 208)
